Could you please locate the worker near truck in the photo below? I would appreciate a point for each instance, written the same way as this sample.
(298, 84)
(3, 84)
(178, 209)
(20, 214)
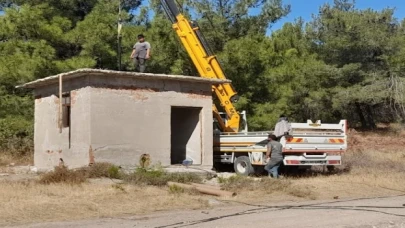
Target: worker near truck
(141, 53)
(274, 156)
(282, 128)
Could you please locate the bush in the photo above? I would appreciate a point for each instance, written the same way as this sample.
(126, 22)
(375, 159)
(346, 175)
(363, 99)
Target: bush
(103, 169)
(63, 175)
(158, 177)
(16, 136)
(114, 172)
(174, 189)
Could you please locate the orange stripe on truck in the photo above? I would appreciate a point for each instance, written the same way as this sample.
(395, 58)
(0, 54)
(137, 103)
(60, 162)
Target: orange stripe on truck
(336, 141)
(295, 140)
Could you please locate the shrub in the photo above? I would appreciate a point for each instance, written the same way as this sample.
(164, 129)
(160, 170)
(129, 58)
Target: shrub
(103, 169)
(63, 175)
(114, 172)
(158, 177)
(174, 189)
(16, 136)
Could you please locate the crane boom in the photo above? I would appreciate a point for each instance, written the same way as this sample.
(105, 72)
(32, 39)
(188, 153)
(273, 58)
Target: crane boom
(206, 63)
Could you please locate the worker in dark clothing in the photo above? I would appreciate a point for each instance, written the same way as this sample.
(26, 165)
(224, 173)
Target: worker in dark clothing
(274, 156)
(141, 53)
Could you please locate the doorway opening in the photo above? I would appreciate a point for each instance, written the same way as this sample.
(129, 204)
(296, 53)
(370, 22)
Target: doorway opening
(186, 133)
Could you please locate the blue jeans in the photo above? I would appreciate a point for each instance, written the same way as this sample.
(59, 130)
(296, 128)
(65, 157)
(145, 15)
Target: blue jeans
(272, 167)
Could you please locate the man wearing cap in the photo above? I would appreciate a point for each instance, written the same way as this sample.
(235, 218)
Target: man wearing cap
(140, 53)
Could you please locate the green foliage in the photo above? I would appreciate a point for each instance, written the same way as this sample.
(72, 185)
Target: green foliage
(114, 172)
(359, 43)
(16, 136)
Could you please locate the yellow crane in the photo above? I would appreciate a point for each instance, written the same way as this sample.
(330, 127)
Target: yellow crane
(206, 63)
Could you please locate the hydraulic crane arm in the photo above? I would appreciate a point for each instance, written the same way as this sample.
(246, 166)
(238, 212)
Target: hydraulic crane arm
(206, 63)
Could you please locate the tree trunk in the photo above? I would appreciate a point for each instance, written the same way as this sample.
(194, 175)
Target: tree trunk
(370, 117)
(361, 116)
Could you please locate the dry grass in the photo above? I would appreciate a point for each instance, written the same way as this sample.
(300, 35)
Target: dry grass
(265, 187)
(65, 194)
(7, 159)
(29, 202)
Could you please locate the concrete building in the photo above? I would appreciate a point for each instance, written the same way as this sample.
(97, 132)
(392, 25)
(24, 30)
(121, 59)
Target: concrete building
(111, 116)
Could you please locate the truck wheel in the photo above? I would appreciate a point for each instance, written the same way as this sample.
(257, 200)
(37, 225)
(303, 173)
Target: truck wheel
(243, 166)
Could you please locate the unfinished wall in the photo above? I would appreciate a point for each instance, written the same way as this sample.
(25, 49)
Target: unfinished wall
(50, 144)
(132, 116)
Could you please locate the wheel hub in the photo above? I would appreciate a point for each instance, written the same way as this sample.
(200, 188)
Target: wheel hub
(241, 167)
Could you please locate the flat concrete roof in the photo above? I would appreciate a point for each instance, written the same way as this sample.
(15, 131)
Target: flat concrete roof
(111, 73)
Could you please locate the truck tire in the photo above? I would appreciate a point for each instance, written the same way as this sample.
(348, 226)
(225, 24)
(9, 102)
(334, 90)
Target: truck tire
(242, 166)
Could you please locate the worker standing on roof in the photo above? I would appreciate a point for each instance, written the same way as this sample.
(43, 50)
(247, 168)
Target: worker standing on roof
(283, 127)
(274, 156)
(141, 53)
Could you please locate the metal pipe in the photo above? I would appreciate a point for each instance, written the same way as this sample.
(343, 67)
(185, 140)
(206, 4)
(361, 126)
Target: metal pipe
(60, 104)
(204, 190)
(119, 36)
(206, 186)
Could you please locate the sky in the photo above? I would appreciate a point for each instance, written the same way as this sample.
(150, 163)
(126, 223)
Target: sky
(305, 8)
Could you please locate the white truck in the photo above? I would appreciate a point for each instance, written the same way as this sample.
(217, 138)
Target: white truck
(311, 144)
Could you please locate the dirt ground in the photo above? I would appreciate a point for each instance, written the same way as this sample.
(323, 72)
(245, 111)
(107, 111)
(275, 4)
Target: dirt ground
(373, 167)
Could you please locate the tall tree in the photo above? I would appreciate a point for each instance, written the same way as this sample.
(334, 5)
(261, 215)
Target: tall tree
(358, 43)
